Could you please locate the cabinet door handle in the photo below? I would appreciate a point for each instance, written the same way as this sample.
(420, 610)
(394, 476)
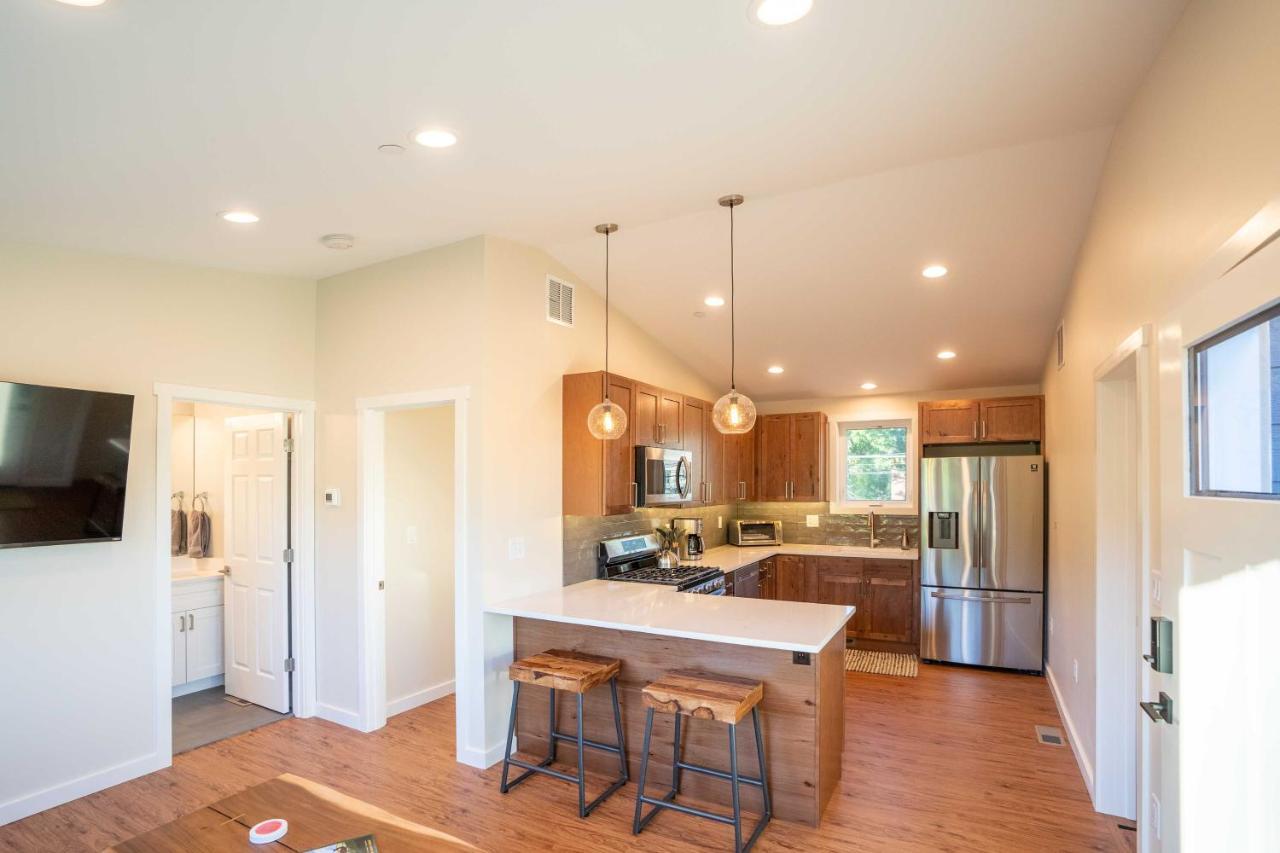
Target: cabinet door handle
(182, 623)
(975, 429)
(191, 621)
(984, 429)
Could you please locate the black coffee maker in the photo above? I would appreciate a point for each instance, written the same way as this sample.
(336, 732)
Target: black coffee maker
(691, 544)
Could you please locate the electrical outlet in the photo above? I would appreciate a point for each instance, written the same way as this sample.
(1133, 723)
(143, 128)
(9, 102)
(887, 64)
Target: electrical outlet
(515, 548)
(1075, 670)
(811, 521)
(332, 497)
(411, 535)
(1155, 815)
(719, 521)
(1050, 626)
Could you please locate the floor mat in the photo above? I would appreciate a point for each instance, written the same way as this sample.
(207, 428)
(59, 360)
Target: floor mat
(881, 663)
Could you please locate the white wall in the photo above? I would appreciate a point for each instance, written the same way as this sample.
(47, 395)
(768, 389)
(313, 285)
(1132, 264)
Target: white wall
(78, 623)
(468, 314)
(1194, 157)
(419, 555)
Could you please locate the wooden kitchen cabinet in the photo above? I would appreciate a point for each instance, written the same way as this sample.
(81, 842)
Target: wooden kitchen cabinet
(659, 417)
(598, 477)
(791, 573)
(791, 457)
(981, 421)
(714, 445)
(769, 578)
(739, 480)
(695, 441)
(891, 600)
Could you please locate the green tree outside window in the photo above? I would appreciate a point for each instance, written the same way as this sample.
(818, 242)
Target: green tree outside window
(876, 464)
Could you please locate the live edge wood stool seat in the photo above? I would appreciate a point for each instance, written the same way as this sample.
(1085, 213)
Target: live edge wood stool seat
(574, 672)
(720, 698)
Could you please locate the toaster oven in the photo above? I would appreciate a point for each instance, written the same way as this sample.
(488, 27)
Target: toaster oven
(744, 531)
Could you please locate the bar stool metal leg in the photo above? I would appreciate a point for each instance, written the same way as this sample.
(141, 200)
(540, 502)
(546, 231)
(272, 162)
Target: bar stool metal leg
(679, 756)
(617, 723)
(582, 770)
(511, 733)
(733, 781)
(551, 723)
(764, 772)
(636, 824)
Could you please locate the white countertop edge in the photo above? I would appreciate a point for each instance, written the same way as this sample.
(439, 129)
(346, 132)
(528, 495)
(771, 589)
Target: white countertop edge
(754, 643)
(729, 558)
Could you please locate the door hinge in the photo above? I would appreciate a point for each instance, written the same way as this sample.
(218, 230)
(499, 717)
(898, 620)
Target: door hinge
(290, 664)
(288, 445)
(288, 555)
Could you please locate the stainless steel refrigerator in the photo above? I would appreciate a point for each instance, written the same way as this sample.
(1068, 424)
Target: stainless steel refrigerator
(982, 560)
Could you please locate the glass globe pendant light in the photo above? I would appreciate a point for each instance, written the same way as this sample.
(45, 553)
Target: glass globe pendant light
(606, 420)
(734, 413)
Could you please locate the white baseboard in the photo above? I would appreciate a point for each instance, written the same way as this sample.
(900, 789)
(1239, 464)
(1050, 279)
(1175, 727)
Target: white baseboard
(1086, 766)
(198, 685)
(419, 697)
(341, 716)
(486, 758)
(30, 804)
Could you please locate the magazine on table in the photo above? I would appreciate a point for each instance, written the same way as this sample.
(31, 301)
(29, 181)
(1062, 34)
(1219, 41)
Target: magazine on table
(363, 844)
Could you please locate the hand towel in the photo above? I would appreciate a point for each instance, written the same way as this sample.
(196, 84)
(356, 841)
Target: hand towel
(199, 539)
(177, 532)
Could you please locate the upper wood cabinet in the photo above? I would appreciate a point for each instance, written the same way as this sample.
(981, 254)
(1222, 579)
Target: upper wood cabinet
(739, 470)
(978, 421)
(695, 441)
(791, 457)
(598, 477)
(713, 468)
(659, 417)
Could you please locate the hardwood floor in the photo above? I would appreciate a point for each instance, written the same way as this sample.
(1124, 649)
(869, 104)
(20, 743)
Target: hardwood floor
(946, 761)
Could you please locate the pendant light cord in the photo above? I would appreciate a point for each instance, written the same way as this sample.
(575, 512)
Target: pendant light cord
(604, 380)
(733, 316)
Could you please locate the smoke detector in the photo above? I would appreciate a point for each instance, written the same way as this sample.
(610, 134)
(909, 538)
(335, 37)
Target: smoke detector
(338, 241)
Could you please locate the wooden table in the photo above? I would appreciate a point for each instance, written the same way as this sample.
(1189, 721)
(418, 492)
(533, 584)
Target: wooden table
(317, 816)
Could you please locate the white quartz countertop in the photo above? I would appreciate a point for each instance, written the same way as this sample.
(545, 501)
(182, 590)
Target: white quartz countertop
(653, 609)
(192, 575)
(730, 557)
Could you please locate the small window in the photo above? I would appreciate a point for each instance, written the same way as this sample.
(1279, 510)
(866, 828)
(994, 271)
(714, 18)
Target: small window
(876, 463)
(1235, 410)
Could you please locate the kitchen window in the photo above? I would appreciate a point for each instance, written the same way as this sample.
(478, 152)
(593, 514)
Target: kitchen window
(877, 465)
(1235, 410)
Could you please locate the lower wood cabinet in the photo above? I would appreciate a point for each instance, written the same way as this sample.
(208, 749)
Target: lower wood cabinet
(885, 593)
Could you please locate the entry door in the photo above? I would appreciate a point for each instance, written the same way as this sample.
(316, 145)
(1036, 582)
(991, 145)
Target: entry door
(256, 535)
(1214, 769)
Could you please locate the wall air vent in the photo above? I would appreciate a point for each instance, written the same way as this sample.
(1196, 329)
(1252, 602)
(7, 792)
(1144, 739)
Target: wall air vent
(559, 301)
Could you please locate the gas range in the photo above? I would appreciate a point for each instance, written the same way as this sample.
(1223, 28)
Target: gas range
(634, 559)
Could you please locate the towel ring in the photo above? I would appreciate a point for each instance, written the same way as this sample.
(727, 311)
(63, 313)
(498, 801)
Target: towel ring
(178, 496)
(203, 497)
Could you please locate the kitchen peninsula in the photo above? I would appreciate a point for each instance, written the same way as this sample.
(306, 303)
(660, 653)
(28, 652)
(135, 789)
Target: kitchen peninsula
(795, 648)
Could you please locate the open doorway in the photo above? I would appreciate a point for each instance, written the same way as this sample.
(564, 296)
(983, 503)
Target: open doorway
(230, 541)
(1123, 572)
(418, 553)
(233, 541)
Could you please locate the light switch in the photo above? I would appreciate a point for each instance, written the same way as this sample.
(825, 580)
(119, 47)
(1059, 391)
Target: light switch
(811, 521)
(719, 521)
(515, 548)
(332, 497)
(411, 535)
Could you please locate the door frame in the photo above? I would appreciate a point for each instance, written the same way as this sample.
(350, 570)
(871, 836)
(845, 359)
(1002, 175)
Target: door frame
(1122, 745)
(468, 663)
(303, 636)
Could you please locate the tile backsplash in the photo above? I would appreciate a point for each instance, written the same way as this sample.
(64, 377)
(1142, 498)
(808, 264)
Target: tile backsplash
(582, 533)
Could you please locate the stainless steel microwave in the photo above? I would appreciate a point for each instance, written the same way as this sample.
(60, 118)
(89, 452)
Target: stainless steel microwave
(663, 476)
(744, 531)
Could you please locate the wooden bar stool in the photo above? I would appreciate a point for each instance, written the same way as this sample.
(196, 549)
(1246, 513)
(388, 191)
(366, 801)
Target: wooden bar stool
(576, 672)
(721, 698)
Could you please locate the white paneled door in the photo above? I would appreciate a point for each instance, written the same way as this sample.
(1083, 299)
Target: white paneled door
(255, 535)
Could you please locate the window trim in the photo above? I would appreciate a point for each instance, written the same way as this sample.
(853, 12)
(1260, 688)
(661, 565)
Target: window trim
(840, 471)
(1195, 408)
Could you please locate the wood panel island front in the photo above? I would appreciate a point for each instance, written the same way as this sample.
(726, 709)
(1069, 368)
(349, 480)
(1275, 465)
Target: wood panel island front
(795, 649)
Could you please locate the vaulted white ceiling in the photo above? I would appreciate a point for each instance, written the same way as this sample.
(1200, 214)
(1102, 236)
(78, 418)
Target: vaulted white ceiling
(869, 138)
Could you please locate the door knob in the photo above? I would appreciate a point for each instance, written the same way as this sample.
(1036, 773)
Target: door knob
(225, 570)
(1157, 711)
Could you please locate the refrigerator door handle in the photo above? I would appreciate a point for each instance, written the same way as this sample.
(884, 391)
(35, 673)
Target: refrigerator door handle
(982, 599)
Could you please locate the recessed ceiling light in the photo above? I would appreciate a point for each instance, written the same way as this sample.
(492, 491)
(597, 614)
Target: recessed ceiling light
(714, 301)
(777, 13)
(391, 148)
(239, 217)
(946, 354)
(435, 138)
(776, 369)
(934, 271)
(82, 2)
(869, 386)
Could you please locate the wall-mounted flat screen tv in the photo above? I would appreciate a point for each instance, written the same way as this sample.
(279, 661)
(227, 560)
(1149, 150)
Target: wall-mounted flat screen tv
(64, 457)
